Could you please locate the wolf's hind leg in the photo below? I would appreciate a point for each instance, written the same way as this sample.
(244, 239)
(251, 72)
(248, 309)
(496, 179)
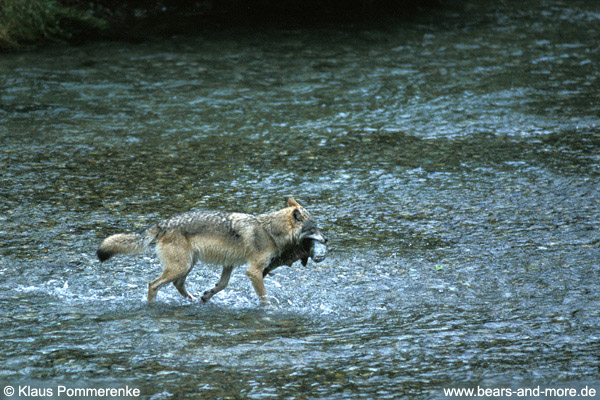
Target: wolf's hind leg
(180, 282)
(180, 285)
(177, 263)
(159, 282)
(222, 284)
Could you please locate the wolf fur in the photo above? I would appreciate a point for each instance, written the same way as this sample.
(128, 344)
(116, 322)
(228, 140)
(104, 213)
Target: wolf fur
(227, 239)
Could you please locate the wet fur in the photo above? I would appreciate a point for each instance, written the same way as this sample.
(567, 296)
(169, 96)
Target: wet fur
(226, 239)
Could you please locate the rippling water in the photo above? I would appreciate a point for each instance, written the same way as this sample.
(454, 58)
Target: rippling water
(453, 160)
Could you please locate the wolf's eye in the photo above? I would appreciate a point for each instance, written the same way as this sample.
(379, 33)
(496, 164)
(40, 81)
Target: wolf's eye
(297, 215)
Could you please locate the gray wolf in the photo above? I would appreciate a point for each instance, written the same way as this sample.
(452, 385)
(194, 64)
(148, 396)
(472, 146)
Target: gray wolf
(263, 242)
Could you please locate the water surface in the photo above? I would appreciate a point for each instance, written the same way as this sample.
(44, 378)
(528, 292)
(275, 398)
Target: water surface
(453, 160)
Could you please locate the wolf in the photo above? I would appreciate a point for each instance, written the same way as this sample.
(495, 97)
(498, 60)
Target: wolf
(262, 242)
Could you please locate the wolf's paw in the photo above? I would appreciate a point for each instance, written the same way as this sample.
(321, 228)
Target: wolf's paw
(265, 302)
(207, 295)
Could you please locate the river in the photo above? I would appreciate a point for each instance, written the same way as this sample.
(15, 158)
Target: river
(453, 160)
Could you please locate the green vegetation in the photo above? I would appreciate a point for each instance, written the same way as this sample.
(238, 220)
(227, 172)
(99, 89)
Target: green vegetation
(26, 21)
(29, 22)
(32, 22)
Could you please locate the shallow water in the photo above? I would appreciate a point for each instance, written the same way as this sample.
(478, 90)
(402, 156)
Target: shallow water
(453, 161)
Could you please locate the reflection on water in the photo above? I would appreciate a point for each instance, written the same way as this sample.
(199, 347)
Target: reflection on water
(452, 161)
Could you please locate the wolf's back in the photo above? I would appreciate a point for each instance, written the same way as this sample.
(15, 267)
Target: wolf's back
(127, 243)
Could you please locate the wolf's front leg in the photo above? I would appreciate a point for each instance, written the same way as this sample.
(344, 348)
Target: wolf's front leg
(255, 273)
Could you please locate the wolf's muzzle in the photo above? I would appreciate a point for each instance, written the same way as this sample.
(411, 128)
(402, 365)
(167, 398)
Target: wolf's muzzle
(318, 236)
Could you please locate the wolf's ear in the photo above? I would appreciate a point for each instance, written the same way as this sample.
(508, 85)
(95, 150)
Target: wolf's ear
(297, 215)
(291, 202)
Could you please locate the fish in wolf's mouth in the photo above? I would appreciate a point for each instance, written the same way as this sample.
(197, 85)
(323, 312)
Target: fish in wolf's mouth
(311, 246)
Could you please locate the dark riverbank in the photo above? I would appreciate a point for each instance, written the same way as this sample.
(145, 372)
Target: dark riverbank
(36, 22)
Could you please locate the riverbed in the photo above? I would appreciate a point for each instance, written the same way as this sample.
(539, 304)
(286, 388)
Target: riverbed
(452, 159)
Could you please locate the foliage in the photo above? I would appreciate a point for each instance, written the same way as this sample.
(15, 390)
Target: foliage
(32, 22)
(26, 22)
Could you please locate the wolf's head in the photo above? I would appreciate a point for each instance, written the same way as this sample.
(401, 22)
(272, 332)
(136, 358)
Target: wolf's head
(300, 239)
(303, 226)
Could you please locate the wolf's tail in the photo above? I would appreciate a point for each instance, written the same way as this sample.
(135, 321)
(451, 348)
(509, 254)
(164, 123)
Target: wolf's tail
(127, 243)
